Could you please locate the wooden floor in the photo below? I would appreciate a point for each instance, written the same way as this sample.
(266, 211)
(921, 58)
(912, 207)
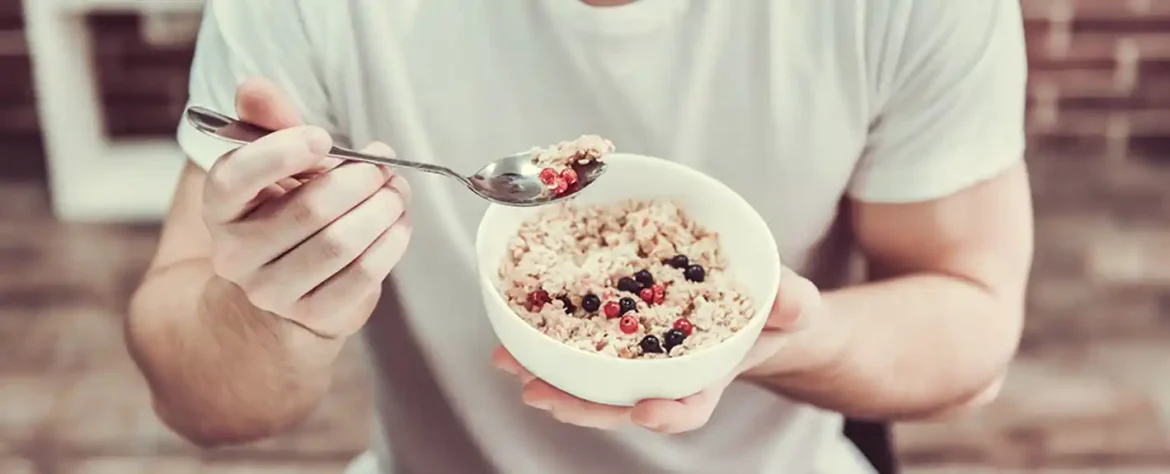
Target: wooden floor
(71, 401)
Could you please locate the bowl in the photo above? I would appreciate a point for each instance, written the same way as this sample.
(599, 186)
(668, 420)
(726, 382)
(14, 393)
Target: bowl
(752, 257)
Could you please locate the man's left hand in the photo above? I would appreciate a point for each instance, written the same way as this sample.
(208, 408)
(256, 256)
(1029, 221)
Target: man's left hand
(793, 312)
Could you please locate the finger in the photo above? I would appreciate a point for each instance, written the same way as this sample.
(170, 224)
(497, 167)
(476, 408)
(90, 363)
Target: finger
(564, 407)
(341, 242)
(569, 409)
(303, 213)
(329, 163)
(363, 277)
(235, 180)
(503, 360)
(397, 181)
(796, 299)
(677, 416)
(263, 102)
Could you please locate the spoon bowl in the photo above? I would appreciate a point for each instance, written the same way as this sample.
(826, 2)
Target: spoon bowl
(515, 179)
(510, 181)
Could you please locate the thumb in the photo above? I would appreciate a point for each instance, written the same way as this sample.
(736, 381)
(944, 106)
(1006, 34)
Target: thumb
(796, 300)
(264, 103)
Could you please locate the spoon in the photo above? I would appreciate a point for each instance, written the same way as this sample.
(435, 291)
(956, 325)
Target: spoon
(510, 181)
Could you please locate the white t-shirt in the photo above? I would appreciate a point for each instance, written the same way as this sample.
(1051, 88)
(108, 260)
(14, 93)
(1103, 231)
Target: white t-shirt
(796, 104)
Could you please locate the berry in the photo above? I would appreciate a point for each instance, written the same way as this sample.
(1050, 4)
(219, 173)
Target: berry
(673, 338)
(659, 293)
(569, 175)
(629, 285)
(569, 308)
(590, 303)
(627, 304)
(678, 261)
(695, 273)
(537, 300)
(628, 324)
(647, 295)
(548, 176)
(572, 187)
(612, 310)
(650, 345)
(644, 277)
(559, 185)
(684, 325)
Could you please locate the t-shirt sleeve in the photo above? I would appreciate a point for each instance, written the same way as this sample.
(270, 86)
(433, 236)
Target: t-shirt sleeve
(949, 81)
(241, 39)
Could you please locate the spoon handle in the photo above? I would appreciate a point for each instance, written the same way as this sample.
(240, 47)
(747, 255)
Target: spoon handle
(240, 132)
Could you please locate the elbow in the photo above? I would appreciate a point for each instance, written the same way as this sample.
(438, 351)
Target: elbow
(212, 431)
(212, 416)
(984, 396)
(205, 436)
(970, 402)
(208, 437)
(981, 398)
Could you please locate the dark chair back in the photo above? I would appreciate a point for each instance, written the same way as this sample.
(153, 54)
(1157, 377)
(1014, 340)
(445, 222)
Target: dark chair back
(875, 441)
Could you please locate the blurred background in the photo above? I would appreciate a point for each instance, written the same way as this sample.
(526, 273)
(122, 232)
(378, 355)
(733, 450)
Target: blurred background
(85, 173)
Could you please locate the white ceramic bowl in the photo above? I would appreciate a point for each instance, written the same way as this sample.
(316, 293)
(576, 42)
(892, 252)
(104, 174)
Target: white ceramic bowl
(752, 258)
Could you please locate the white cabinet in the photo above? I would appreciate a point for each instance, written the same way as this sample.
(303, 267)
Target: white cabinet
(93, 178)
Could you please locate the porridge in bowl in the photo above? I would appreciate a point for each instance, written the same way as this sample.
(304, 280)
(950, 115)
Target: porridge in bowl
(635, 280)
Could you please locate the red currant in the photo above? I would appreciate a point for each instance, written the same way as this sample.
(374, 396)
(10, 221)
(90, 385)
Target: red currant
(569, 175)
(659, 293)
(647, 295)
(612, 309)
(548, 176)
(559, 185)
(537, 299)
(684, 325)
(628, 323)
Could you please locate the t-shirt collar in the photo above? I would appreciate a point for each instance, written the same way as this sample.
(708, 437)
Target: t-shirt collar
(634, 17)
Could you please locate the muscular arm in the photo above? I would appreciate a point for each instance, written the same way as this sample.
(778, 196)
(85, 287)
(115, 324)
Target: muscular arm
(220, 370)
(938, 327)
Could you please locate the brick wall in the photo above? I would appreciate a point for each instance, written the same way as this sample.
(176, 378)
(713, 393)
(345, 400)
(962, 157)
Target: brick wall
(1100, 79)
(18, 126)
(1100, 75)
(1099, 125)
(143, 86)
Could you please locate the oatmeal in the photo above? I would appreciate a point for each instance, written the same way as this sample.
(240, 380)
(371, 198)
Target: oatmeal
(638, 279)
(560, 163)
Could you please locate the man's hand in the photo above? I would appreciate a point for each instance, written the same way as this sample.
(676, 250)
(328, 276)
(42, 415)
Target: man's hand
(306, 237)
(793, 313)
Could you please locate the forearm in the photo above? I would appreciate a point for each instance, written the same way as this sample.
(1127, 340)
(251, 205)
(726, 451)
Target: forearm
(905, 347)
(220, 370)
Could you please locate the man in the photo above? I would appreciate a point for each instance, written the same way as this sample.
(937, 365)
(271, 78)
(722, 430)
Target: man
(890, 126)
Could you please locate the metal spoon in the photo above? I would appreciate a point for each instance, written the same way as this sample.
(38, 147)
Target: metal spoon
(511, 181)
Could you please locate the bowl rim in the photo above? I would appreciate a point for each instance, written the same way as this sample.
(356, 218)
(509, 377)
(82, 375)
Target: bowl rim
(758, 319)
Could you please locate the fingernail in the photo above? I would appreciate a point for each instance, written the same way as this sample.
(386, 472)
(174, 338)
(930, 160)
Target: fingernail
(381, 149)
(539, 404)
(318, 140)
(653, 426)
(800, 321)
(510, 370)
(809, 312)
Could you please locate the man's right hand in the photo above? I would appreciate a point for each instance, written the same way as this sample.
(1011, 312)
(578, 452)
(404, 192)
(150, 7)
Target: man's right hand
(306, 237)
